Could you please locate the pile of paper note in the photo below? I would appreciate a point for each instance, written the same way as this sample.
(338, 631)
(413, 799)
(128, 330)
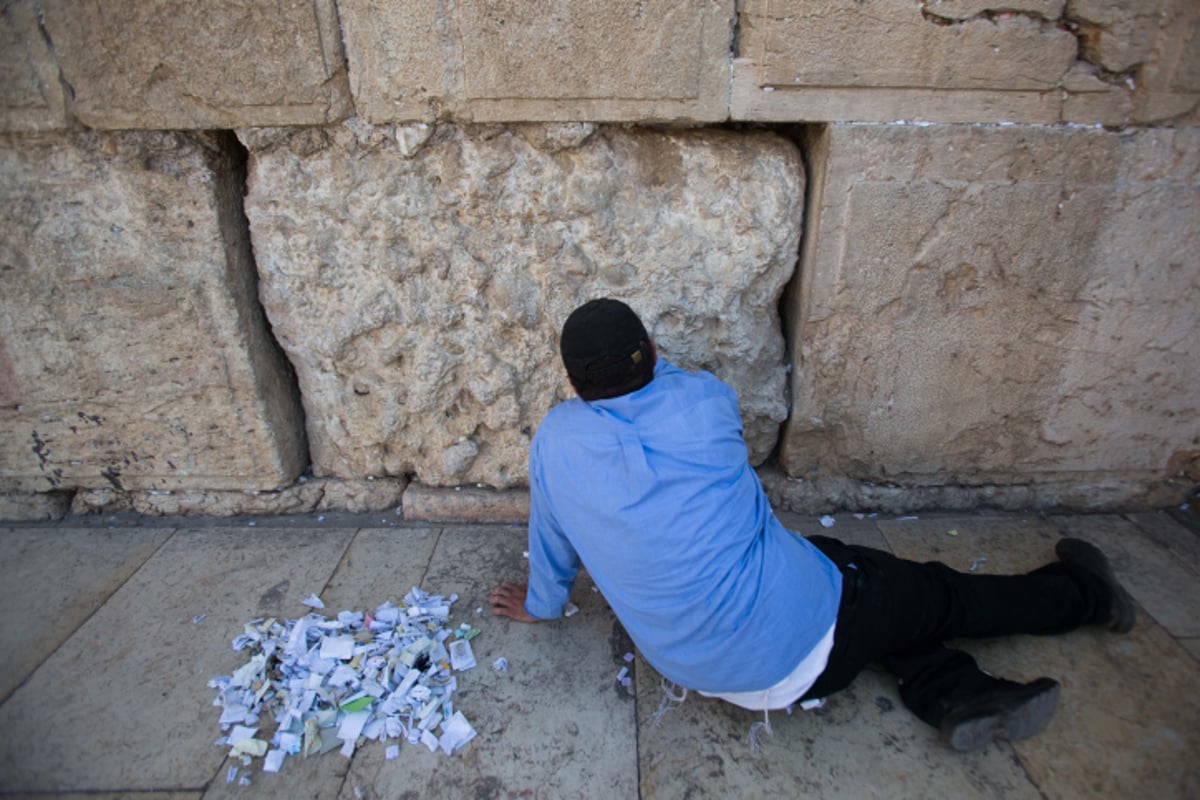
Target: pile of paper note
(325, 682)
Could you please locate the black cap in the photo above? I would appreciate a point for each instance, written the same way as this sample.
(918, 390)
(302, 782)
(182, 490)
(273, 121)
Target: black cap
(602, 339)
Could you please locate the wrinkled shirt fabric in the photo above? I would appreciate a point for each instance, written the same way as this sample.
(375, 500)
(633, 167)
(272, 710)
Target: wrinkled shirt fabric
(653, 492)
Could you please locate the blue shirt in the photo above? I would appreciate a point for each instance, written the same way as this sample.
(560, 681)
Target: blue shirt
(654, 493)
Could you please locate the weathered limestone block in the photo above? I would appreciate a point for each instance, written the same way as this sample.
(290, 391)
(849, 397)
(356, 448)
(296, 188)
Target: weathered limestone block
(34, 506)
(465, 504)
(179, 64)
(1168, 81)
(997, 305)
(599, 60)
(889, 60)
(302, 497)
(1117, 34)
(419, 289)
(133, 353)
(837, 43)
(31, 93)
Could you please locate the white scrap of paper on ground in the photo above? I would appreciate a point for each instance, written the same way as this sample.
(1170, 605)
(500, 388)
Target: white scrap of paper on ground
(570, 610)
(312, 601)
(249, 747)
(455, 733)
(339, 647)
(827, 521)
(352, 725)
(461, 657)
(500, 664)
(241, 733)
(392, 752)
(273, 761)
(430, 741)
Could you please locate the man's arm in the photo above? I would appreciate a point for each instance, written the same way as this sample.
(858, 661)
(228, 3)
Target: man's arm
(553, 565)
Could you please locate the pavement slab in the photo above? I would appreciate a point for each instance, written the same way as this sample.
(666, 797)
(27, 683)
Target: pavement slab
(123, 704)
(55, 579)
(1128, 719)
(557, 724)
(379, 565)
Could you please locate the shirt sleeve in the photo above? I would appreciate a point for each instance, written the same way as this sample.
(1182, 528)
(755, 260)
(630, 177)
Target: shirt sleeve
(553, 562)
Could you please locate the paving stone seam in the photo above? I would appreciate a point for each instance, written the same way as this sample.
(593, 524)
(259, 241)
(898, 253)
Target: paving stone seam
(86, 619)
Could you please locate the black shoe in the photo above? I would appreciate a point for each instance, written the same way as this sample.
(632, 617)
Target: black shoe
(1006, 710)
(1122, 613)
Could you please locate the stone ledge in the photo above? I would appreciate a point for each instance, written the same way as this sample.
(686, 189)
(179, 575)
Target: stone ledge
(302, 497)
(34, 506)
(465, 504)
(824, 495)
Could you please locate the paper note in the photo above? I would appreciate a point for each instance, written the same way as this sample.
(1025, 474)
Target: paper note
(461, 657)
(339, 647)
(273, 761)
(455, 733)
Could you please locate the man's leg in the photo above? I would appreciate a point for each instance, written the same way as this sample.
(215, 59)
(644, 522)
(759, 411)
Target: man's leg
(971, 708)
(891, 606)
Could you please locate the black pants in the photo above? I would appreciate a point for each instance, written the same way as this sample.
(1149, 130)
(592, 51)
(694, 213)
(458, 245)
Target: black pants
(900, 612)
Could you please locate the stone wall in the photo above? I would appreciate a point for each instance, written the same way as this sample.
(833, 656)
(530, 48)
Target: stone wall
(944, 249)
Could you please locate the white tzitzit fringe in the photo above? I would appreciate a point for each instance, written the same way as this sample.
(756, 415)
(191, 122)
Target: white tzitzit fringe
(673, 696)
(760, 728)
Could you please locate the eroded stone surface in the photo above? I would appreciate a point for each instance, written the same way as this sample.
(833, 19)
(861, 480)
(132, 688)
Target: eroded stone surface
(940, 60)
(801, 42)
(531, 61)
(31, 94)
(982, 305)
(317, 494)
(169, 64)
(133, 352)
(419, 289)
(465, 504)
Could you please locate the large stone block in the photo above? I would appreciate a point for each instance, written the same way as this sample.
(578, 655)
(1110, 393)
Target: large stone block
(1168, 81)
(419, 286)
(31, 93)
(133, 353)
(889, 60)
(996, 305)
(179, 64)
(569, 60)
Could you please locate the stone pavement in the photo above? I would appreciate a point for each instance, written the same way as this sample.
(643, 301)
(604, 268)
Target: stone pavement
(103, 670)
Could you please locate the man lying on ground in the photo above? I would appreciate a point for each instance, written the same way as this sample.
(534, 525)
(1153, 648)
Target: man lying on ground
(644, 478)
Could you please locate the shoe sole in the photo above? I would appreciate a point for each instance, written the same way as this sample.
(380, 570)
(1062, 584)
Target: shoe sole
(1013, 724)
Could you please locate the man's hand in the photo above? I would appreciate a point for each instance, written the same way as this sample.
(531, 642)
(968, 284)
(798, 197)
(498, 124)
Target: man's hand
(508, 600)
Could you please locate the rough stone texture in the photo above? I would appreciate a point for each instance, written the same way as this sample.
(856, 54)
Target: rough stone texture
(313, 495)
(969, 61)
(132, 352)
(31, 93)
(991, 305)
(419, 290)
(828, 493)
(1168, 82)
(32, 506)
(177, 64)
(599, 60)
(465, 504)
